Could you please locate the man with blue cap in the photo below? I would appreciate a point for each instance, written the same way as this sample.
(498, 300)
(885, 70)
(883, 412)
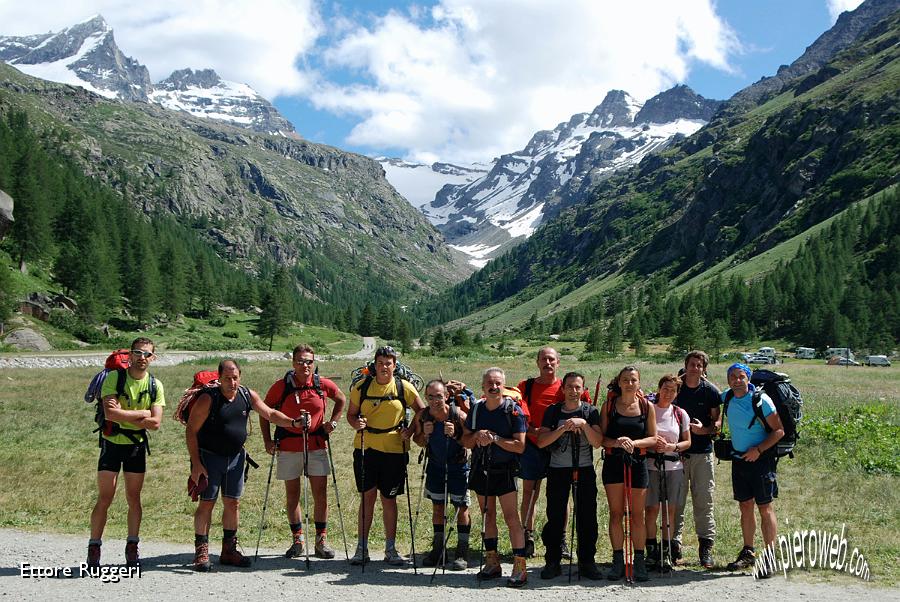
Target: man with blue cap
(753, 469)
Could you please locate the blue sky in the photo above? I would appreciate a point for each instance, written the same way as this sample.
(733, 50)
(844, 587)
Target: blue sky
(451, 80)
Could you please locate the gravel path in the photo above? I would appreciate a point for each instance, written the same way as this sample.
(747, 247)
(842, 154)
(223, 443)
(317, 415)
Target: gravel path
(166, 575)
(77, 359)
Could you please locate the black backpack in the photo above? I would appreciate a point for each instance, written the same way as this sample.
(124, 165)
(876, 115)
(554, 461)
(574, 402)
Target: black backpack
(788, 403)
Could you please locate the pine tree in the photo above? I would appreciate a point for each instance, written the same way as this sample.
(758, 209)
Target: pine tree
(275, 318)
(594, 340)
(365, 327)
(438, 340)
(718, 337)
(143, 283)
(406, 344)
(688, 333)
(461, 338)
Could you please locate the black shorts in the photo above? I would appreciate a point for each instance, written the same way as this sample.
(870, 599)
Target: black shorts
(614, 471)
(754, 480)
(385, 471)
(496, 481)
(131, 457)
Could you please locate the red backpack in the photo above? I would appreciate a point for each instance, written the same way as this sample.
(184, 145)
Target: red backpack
(203, 380)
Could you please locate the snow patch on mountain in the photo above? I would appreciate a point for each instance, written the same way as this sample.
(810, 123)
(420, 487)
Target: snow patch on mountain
(418, 183)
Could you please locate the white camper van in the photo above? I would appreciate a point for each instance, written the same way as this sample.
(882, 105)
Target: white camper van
(768, 352)
(877, 360)
(839, 352)
(805, 353)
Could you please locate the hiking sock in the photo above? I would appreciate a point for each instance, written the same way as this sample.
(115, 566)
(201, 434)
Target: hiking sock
(199, 539)
(321, 527)
(490, 544)
(132, 539)
(296, 528)
(95, 542)
(462, 534)
(390, 543)
(519, 552)
(438, 530)
(228, 534)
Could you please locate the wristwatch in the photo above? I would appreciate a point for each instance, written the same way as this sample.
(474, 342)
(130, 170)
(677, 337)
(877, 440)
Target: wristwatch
(496, 438)
(333, 424)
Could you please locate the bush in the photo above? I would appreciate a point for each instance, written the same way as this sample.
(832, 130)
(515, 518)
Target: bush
(231, 334)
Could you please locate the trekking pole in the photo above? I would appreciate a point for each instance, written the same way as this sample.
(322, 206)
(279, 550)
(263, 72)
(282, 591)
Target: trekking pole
(412, 529)
(486, 455)
(337, 495)
(306, 485)
(575, 462)
(664, 506)
(597, 390)
(421, 489)
(362, 501)
(629, 548)
(446, 540)
(447, 527)
(262, 518)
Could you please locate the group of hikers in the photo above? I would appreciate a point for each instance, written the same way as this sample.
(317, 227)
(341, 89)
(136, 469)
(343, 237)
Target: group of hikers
(657, 450)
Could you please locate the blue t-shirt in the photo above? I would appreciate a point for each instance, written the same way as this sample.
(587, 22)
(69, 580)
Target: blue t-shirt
(499, 421)
(740, 413)
(442, 448)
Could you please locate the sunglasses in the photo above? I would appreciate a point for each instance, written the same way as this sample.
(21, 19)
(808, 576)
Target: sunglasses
(305, 362)
(435, 397)
(141, 353)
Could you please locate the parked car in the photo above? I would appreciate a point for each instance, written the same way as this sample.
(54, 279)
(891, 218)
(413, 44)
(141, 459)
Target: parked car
(877, 360)
(842, 361)
(760, 359)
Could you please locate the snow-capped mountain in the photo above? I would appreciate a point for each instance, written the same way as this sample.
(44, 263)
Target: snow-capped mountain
(204, 94)
(483, 218)
(86, 55)
(83, 55)
(419, 183)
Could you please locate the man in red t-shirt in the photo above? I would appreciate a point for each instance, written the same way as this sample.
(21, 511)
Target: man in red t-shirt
(538, 393)
(296, 395)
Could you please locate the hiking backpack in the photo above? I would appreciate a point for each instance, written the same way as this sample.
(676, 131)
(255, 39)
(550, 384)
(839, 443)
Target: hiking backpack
(610, 408)
(290, 389)
(204, 379)
(788, 403)
(118, 362)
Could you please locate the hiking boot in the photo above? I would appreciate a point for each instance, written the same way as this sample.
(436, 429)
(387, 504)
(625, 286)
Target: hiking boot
(529, 544)
(231, 555)
(617, 570)
(519, 575)
(201, 557)
(323, 550)
(461, 558)
(745, 559)
(93, 557)
(433, 557)
(652, 554)
(360, 557)
(491, 568)
(706, 559)
(589, 570)
(132, 558)
(551, 570)
(297, 547)
(564, 550)
(640, 566)
(676, 551)
(393, 557)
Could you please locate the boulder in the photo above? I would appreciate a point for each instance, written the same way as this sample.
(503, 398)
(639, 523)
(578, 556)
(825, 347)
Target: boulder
(26, 339)
(6, 213)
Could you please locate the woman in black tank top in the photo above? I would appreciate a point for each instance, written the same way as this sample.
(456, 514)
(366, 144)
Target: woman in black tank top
(629, 428)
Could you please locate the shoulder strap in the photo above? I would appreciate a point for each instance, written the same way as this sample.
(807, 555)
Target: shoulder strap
(317, 384)
(526, 394)
(121, 374)
(288, 389)
(152, 389)
(475, 415)
(757, 410)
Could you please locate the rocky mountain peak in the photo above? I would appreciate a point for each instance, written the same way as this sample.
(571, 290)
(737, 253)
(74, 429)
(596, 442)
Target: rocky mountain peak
(617, 109)
(680, 102)
(183, 79)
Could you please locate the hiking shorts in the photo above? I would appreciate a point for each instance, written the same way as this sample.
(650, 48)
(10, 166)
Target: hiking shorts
(290, 464)
(499, 480)
(533, 462)
(614, 471)
(674, 483)
(383, 470)
(457, 484)
(754, 480)
(225, 473)
(131, 457)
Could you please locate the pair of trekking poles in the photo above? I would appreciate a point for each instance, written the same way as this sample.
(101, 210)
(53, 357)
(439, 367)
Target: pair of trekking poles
(305, 476)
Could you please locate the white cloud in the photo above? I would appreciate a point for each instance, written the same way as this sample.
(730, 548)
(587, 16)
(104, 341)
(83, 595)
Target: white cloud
(475, 78)
(836, 7)
(249, 42)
